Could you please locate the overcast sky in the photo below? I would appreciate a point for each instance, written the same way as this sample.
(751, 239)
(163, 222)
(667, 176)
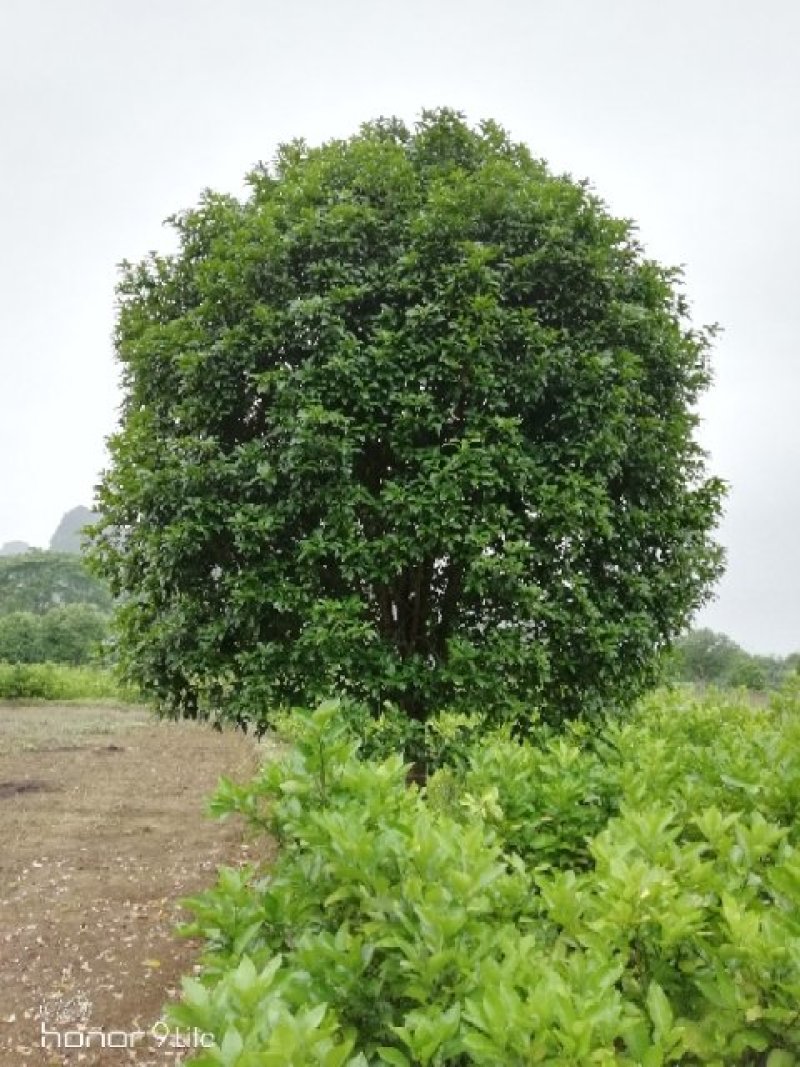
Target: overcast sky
(684, 115)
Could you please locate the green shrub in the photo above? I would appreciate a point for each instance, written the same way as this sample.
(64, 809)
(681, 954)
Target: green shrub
(631, 898)
(444, 739)
(21, 638)
(73, 633)
(51, 681)
(546, 797)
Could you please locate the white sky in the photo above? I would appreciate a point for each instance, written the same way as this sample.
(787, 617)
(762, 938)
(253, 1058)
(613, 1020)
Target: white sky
(685, 116)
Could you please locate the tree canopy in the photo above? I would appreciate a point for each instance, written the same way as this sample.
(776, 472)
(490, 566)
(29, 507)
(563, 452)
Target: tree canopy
(412, 422)
(37, 581)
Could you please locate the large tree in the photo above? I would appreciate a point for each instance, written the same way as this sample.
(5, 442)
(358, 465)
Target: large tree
(412, 422)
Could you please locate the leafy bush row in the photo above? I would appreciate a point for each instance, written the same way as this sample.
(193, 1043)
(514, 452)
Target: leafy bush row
(50, 681)
(628, 897)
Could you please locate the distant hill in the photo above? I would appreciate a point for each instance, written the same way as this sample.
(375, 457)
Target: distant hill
(14, 548)
(67, 537)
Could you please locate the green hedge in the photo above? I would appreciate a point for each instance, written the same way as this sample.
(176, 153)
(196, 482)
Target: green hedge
(628, 896)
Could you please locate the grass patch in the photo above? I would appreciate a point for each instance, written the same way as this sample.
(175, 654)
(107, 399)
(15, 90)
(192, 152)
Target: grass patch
(58, 681)
(43, 726)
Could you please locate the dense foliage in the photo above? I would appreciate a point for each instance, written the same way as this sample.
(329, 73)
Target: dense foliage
(413, 422)
(628, 897)
(72, 634)
(37, 581)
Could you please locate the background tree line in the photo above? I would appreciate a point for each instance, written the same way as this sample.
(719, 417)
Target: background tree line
(51, 609)
(704, 657)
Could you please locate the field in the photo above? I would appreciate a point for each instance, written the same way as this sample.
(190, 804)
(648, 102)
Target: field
(103, 830)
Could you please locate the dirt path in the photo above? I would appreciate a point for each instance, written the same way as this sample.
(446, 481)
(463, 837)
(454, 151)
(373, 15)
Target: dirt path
(101, 832)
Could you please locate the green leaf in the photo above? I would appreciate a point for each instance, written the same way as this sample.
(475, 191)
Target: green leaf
(659, 1009)
(781, 1058)
(231, 1046)
(393, 1056)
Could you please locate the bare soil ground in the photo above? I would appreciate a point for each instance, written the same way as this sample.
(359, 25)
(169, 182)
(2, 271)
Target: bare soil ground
(102, 831)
